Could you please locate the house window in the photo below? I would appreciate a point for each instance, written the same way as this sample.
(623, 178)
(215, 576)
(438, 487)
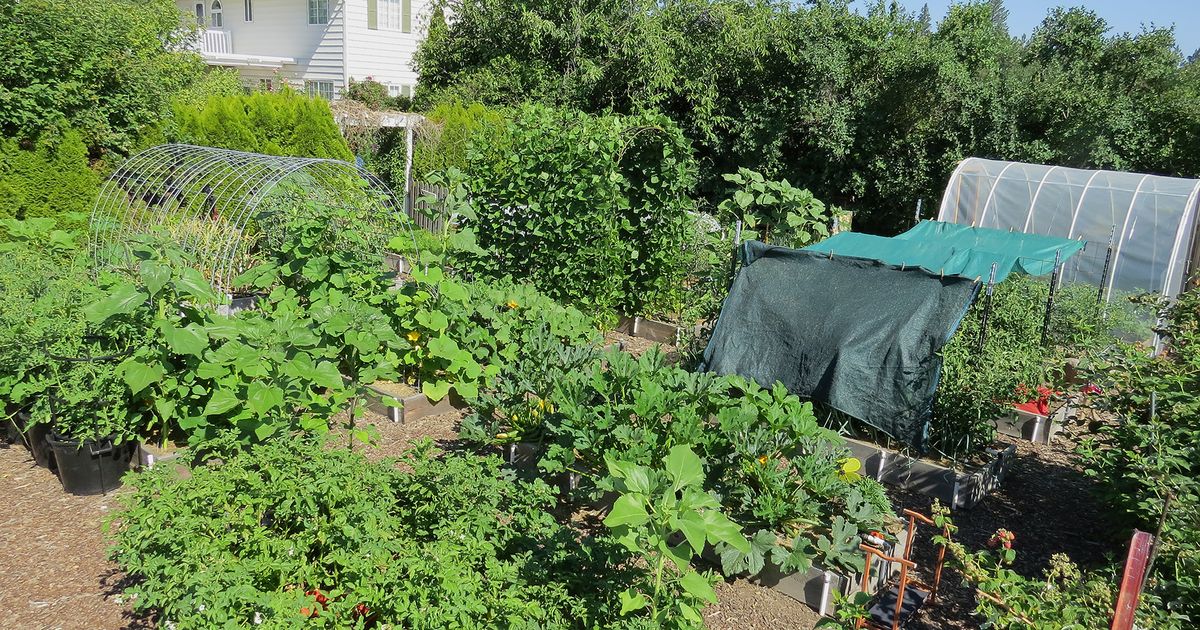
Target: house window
(200, 13)
(390, 15)
(324, 89)
(265, 85)
(318, 11)
(249, 11)
(393, 90)
(215, 14)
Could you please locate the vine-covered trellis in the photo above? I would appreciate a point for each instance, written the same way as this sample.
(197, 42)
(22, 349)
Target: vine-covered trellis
(219, 205)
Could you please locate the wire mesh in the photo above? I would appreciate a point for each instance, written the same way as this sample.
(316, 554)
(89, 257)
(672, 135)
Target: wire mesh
(218, 204)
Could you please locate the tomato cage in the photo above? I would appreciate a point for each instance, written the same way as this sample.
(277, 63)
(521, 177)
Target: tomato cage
(224, 207)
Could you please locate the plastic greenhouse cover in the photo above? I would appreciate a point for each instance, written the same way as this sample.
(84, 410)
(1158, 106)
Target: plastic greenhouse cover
(1149, 220)
(957, 250)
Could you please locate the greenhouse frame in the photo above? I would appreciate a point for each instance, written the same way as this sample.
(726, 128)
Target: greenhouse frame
(1140, 230)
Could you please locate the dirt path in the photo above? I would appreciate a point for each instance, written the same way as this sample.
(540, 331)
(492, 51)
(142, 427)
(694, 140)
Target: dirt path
(1045, 500)
(54, 571)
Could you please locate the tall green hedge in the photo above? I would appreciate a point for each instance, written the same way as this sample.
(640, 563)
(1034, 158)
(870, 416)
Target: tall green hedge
(275, 123)
(49, 179)
(592, 209)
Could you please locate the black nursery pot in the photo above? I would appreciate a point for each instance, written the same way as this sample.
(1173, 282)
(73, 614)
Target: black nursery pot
(33, 436)
(91, 467)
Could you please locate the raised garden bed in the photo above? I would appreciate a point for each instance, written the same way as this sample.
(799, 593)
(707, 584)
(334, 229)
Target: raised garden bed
(817, 587)
(150, 454)
(415, 404)
(1033, 427)
(954, 488)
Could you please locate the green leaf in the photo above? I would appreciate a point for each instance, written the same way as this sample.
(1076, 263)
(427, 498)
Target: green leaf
(697, 586)
(262, 398)
(325, 374)
(684, 467)
(122, 299)
(190, 340)
(632, 602)
(192, 283)
(627, 511)
(222, 401)
(720, 529)
(435, 390)
(693, 527)
(139, 376)
(154, 275)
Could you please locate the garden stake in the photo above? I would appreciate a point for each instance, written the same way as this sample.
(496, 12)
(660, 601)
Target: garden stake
(1112, 234)
(1050, 297)
(987, 308)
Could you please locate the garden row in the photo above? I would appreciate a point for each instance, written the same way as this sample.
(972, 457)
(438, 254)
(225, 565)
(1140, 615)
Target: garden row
(143, 355)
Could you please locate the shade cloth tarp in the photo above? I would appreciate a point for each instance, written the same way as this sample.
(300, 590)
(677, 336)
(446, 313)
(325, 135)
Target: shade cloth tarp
(958, 250)
(857, 334)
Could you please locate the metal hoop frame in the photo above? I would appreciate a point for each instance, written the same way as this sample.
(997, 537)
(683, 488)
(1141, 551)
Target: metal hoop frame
(209, 198)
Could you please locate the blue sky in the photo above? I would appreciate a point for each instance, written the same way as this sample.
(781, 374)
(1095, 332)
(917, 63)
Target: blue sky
(1121, 15)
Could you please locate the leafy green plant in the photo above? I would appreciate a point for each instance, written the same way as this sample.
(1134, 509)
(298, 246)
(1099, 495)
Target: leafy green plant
(49, 181)
(654, 506)
(1146, 461)
(590, 209)
(298, 533)
(780, 212)
(275, 123)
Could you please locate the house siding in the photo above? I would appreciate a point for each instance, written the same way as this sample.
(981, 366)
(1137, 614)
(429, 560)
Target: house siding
(341, 50)
(384, 55)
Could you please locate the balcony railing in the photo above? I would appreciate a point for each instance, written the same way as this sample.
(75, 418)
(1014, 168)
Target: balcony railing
(216, 42)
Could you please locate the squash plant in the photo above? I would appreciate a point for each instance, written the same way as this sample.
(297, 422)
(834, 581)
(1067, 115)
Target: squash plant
(778, 211)
(655, 506)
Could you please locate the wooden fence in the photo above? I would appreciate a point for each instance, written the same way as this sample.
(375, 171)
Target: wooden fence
(418, 208)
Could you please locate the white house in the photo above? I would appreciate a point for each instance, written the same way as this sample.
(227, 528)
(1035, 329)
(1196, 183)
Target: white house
(314, 45)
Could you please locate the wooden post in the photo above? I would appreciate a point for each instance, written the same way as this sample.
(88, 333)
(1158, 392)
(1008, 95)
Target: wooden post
(1131, 580)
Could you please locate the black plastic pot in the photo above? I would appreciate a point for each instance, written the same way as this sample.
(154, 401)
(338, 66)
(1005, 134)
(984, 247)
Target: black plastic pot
(91, 467)
(34, 437)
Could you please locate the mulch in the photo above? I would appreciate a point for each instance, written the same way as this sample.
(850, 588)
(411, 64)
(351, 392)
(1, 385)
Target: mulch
(1045, 500)
(56, 575)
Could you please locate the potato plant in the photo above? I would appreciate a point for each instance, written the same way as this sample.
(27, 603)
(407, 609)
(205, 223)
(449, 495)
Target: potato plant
(297, 534)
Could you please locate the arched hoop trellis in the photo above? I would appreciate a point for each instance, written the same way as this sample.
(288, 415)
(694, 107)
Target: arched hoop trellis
(217, 204)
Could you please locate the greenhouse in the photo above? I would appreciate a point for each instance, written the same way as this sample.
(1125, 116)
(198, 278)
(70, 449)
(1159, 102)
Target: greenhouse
(1139, 230)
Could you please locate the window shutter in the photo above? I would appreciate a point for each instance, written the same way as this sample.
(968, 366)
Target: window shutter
(406, 16)
(373, 14)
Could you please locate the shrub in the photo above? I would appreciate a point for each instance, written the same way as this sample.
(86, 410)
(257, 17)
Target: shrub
(369, 92)
(275, 123)
(1149, 458)
(107, 68)
(443, 144)
(293, 533)
(51, 179)
(591, 209)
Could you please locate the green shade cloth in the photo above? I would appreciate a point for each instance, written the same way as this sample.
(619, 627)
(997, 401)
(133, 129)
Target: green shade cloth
(857, 334)
(957, 250)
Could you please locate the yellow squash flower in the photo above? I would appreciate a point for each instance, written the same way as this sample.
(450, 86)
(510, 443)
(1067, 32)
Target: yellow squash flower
(511, 304)
(413, 336)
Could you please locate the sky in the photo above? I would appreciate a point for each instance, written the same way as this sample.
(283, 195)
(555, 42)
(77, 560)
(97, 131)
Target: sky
(1122, 15)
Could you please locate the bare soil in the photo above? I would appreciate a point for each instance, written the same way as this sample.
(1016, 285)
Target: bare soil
(1045, 500)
